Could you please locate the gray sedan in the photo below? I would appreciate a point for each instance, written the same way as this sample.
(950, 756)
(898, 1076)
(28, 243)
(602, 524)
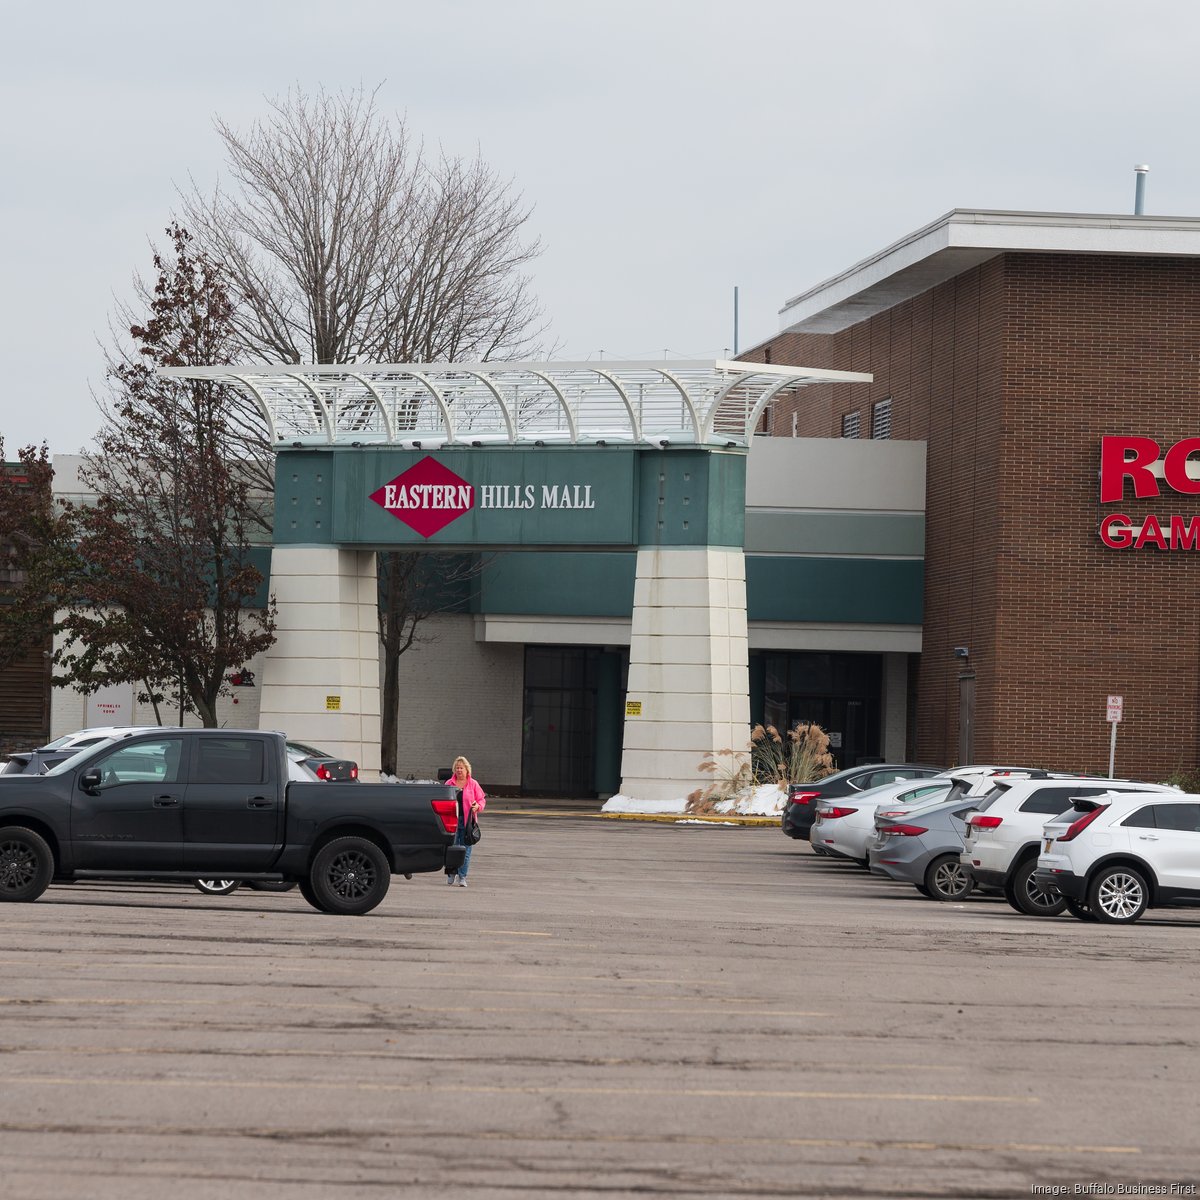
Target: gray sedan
(922, 848)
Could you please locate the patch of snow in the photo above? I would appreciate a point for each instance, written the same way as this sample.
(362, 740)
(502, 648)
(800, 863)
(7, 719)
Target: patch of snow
(767, 800)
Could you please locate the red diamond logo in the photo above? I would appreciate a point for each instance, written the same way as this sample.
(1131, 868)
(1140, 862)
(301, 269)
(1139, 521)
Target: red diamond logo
(426, 497)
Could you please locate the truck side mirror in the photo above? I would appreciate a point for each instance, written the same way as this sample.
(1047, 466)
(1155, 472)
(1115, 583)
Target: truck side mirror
(90, 780)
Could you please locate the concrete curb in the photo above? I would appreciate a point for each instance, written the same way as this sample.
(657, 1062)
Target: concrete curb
(678, 818)
(658, 818)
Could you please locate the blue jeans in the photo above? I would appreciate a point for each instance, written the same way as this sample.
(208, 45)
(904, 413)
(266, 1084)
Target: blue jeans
(458, 841)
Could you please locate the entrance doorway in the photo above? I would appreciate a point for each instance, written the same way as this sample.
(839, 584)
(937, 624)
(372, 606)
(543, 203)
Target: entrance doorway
(558, 755)
(839, 692)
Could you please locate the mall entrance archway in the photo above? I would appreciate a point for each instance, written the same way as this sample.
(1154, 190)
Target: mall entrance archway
(646, 456)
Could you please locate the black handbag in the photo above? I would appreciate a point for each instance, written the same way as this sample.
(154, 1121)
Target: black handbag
(470, 831)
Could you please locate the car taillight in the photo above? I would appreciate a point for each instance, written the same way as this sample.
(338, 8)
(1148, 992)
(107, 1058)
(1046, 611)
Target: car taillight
(903, 830)
(353, 772)
(1077, 827)
(830, 813)
(323, 772)
(447, 811)
(980, 821)
(803, 797)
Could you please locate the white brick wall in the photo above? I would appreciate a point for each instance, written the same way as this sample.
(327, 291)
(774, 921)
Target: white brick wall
(236, 711)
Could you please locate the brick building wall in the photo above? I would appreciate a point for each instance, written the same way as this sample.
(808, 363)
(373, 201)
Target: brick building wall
(1012, 372)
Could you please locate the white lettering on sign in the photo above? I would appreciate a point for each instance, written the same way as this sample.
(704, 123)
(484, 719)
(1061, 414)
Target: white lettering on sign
(506, 495)
(1116, 708)
(427, 495)
(518, 495)
(567, 496)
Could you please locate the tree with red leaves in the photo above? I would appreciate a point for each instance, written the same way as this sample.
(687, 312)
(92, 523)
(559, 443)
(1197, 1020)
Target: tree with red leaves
(167, 596)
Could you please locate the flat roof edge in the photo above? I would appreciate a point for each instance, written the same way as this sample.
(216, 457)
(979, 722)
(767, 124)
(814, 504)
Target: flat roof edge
(963, 238)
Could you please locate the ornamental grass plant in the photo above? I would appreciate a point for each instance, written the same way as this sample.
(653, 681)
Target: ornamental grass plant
(801, 757)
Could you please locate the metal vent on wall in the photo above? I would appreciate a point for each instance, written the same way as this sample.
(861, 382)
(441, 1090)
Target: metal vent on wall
(852, 425)
(881, 419)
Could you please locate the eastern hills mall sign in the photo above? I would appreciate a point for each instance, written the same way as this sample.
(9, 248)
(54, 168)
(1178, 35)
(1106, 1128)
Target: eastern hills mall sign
(462, 497)
(428, 496)
(1136, 460)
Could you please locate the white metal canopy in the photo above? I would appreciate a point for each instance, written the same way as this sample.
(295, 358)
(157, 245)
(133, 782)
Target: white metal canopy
(697, 402)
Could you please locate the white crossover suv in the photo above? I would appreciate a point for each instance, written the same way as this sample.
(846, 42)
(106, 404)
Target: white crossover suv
(1004, 834)
(1114, 856)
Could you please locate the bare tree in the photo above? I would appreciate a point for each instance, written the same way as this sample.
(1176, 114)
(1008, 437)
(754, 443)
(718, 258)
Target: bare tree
(344, 242)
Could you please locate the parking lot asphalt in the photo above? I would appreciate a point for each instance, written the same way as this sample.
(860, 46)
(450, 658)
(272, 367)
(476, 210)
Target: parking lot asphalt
(611, 1009)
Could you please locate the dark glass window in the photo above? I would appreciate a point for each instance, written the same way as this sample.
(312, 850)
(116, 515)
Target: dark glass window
(1052, 801)
(230, 760)
(1184, 818)
(1142, 819)
(143, 762)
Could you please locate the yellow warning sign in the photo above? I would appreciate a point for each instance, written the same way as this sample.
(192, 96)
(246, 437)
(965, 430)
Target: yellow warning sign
(333, 703)
(633, 708)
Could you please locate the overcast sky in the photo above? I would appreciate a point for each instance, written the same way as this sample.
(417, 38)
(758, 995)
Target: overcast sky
(672, 149)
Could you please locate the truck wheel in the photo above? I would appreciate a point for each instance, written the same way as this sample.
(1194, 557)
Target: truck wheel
(350, 876)
(216, 887)
(26, 864)
(1031, 899)
(309, 895)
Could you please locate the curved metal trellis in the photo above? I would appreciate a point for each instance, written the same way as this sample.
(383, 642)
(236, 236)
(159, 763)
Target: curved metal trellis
(689, 402)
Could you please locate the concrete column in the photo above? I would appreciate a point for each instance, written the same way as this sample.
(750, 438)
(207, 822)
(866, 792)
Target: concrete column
(688, 669)
(320, 681)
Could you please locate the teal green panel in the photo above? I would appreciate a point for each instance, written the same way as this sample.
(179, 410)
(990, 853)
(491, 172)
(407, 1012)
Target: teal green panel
(692, 498)
(260, 558)
(835, 533)
(303, 498)
(758, 688)
(609, 724)
(499, 496)
(559, 583)
(872, 591)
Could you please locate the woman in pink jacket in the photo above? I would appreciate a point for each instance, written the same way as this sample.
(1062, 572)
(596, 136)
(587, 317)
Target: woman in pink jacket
(473, 803)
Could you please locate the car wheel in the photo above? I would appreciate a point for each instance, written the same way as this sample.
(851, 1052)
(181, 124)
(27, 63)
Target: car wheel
(216, 887)
(1118, 895)
(350, 876)
(1080, 912)
(271, 885)
(1032, 900)
(26, 864)
(947, 879)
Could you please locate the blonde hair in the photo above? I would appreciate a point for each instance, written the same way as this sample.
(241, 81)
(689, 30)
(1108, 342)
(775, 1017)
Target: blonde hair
(464, 762)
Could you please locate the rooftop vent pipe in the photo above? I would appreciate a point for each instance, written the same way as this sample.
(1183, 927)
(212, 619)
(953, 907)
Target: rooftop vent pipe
(1139, 195)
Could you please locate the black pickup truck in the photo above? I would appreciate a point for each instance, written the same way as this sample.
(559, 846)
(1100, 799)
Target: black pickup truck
(183, 804)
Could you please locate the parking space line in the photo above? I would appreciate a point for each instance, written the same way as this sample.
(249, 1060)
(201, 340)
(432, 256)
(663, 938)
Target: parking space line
(362, 1005)
(524, 1090)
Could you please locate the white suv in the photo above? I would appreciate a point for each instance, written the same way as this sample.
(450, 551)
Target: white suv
(1004, 834)
(1114, 856)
